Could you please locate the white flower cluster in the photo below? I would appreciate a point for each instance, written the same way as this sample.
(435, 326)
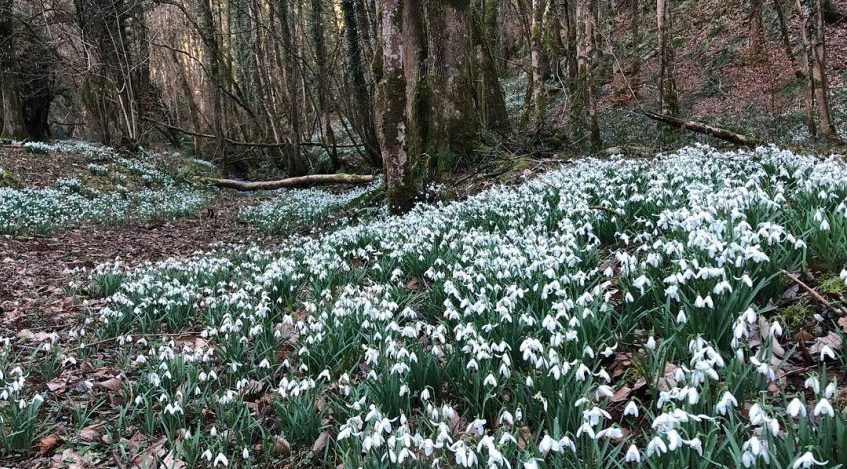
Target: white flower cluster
(293, 209)
(611, 312)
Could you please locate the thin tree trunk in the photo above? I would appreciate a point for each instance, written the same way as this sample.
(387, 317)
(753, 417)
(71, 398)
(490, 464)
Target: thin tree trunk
(818, 53)
(635, 45)
(537, 66)
(491, 103)
(757, 30)
(322, 82)
(296, 166)
(667, 84)
(401, 183)
(786, 41)
(362, 102)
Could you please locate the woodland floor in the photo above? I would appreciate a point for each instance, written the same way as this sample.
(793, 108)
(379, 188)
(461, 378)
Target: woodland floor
(34, 277)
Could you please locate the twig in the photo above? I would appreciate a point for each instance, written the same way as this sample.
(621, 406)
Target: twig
(815, 294)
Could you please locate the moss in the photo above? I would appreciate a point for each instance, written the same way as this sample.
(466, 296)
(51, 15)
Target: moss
(797, 314)
(833, 285)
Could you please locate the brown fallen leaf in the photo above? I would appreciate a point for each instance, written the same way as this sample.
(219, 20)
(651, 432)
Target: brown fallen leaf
(842, 321)
(90, 433)
(57, 385)
(48, 443)
(621, 394)
(112, 384)
(320, 443)
(281, 445)
(524, 434)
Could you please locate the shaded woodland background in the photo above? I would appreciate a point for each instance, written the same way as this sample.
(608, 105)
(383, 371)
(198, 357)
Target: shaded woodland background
(419, 87)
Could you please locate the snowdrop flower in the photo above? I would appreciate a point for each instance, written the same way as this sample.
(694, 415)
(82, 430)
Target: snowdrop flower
(826, 351)
(632, 455)
(656, 446)
(795, 408)
(807, 460)
(813, 384)
(830, 390)
(727, 401)
(824, 407)
(681, 318)
(490, 380)
(221, 459)
(631, 409)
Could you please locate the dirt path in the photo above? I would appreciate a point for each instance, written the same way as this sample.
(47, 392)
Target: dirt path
(33, 271)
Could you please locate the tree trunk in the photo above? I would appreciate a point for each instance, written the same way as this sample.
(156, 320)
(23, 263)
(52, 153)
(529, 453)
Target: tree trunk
(786, 41)
(667, 84)
(537, 66)
(402, 186)
(815, 39)
(362, 102)
(452, 122)
(12, 113)
(635, 45)
(757, 30)
(491, 103)
(322, 78)
(296, 164)
(584, 106)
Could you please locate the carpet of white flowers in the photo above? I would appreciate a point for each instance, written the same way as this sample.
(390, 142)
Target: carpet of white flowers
(609, 314)
(292, 210)
(71, 202)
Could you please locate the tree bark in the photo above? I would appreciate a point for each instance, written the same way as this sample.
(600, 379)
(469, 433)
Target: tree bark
(324, 116)
(667, 83)
(12, 112)
(491, 102)
(452, 123)
(538, 93)
(296, 164)
(814, 37)
(362, 102)
(635, 46)
(786, 41)
(402, 186)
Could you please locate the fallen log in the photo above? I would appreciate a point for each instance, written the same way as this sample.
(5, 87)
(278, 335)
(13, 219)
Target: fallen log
(301, 181)
(699, 127)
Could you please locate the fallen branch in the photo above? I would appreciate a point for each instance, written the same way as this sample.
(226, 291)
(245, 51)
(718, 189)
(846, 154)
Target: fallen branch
(699, 127)
(814, 294)
(302, 181)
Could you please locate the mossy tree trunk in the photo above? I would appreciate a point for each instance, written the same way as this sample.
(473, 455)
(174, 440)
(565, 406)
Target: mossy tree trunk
(452, 120)
(391, 114)
(539, 96)
(490, 99)
(295, 163)
(13, 123)
(584, 103)
(362, 100)
(814, 40)
(323, 111)
(426, 114)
